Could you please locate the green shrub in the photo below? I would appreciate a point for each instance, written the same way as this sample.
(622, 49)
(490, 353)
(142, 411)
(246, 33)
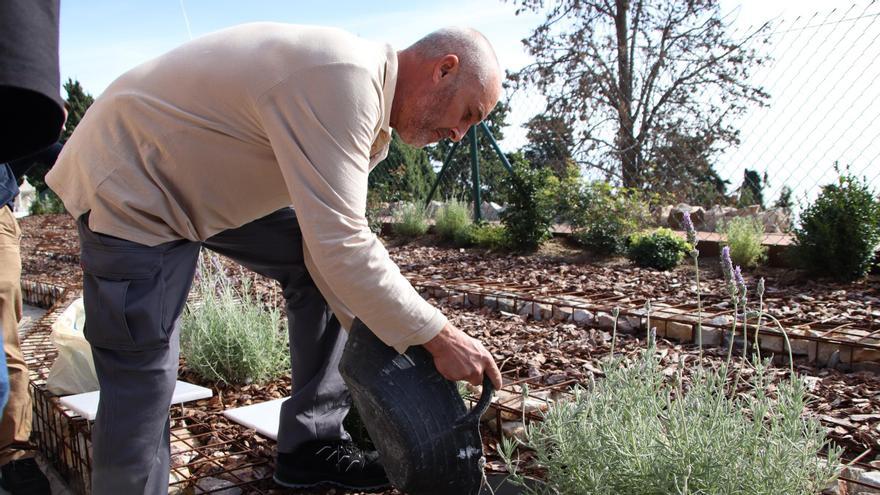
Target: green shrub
(229, 337)
(531, 196)
(635, 433)
(745, 236)
(410, 220)
(488, 236)
(453, 221)
(661, 249)
(47, 203)
(839, 232)
(604, 217)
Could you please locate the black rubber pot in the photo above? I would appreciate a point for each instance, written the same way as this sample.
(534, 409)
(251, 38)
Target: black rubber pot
(428, 441)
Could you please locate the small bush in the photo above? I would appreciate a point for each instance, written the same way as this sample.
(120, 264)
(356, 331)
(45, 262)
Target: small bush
(487, 236)
(530, 209)
(47, 203)
(605, 217)
(634, 433)
(745, 236)
(661, 249)
(453, 222)
(839, 232)
(229, 338)
(410, 220)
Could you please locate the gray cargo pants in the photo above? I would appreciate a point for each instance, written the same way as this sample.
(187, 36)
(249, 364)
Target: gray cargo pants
(134, 295)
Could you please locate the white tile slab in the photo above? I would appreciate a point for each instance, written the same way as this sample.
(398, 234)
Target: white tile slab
(262, 417)
(86, 405)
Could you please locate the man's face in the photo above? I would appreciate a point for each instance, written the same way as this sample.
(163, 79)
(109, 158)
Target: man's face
(446, 112)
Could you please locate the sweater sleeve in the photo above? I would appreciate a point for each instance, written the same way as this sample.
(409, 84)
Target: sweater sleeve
(45, 157)
(321, 124)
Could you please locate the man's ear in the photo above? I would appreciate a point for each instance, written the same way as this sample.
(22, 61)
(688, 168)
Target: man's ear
(446, 66)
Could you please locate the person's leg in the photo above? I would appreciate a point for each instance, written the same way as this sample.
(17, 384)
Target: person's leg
(313, 447)
(319, 400)
(20, 472)
(133, 295)
(15, 427)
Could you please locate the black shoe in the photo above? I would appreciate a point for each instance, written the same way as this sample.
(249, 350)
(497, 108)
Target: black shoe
(24, 477)
(340, 463)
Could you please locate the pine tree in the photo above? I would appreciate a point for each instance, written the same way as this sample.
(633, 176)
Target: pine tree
(78, 101)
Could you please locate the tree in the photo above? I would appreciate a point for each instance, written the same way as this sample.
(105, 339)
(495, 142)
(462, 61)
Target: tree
(457, 181)
(751, 192)
(632, 71)
(784, 199)
(550, 143)
(681, 168)
(79, 101)
(404, 175)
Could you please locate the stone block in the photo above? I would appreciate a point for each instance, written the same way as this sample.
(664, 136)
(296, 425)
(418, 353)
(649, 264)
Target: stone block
(711, 336)
(604, 321)
(681, 332)
(801, 346)
(824, 352)
(455, 299)
(861, 355)
(629, 324)
(217, 485)
(506, 304)
(537, 311)
(514, 430)
(475, 300)
(872, 479)
(582, 316)
(490, 302)
(660, 325)
(562, 313)
(772, 343)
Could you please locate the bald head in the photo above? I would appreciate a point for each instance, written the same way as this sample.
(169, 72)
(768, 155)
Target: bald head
(447, 81)
(479, 64)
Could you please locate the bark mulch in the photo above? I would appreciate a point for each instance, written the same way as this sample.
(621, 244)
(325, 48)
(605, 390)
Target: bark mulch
(554, 352)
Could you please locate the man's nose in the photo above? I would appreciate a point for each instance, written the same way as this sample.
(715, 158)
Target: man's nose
(457, 134)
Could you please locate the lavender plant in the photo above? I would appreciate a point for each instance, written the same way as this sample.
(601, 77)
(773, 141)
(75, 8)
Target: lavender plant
(411, 220)
(745, 236)
(229, 337)
(636, 432)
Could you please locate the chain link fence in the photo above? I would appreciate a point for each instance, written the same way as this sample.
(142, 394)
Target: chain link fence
(818, 114)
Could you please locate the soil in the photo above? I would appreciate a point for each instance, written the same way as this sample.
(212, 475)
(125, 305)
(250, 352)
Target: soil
(848, 404)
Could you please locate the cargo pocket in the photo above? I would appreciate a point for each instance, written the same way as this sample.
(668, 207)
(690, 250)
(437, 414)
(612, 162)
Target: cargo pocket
(124, 297)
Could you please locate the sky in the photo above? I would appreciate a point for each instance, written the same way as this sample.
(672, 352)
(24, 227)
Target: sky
(822, 107)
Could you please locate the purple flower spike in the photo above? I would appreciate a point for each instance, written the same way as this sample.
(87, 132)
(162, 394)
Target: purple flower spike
(726, 263)
(727, 269)
(689, 229)
(740, 285)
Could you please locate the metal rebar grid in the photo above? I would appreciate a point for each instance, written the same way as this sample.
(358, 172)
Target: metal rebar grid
(209, 455)
(818, 339)
(205, 458)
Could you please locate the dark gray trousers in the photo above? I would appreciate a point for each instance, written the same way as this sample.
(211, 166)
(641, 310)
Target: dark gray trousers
(134, 295)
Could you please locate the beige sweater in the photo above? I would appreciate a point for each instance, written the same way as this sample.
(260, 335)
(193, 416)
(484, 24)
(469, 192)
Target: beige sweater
(237, 124)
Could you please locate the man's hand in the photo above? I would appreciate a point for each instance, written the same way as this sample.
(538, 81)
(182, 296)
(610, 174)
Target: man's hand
(461, 357)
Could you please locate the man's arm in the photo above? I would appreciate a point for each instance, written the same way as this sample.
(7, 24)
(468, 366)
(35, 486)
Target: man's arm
(321, 124)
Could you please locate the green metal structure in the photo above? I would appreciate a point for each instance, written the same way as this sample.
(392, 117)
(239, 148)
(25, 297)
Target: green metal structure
(475, 165)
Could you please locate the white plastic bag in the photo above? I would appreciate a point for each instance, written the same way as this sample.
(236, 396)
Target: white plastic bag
(74, 369)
